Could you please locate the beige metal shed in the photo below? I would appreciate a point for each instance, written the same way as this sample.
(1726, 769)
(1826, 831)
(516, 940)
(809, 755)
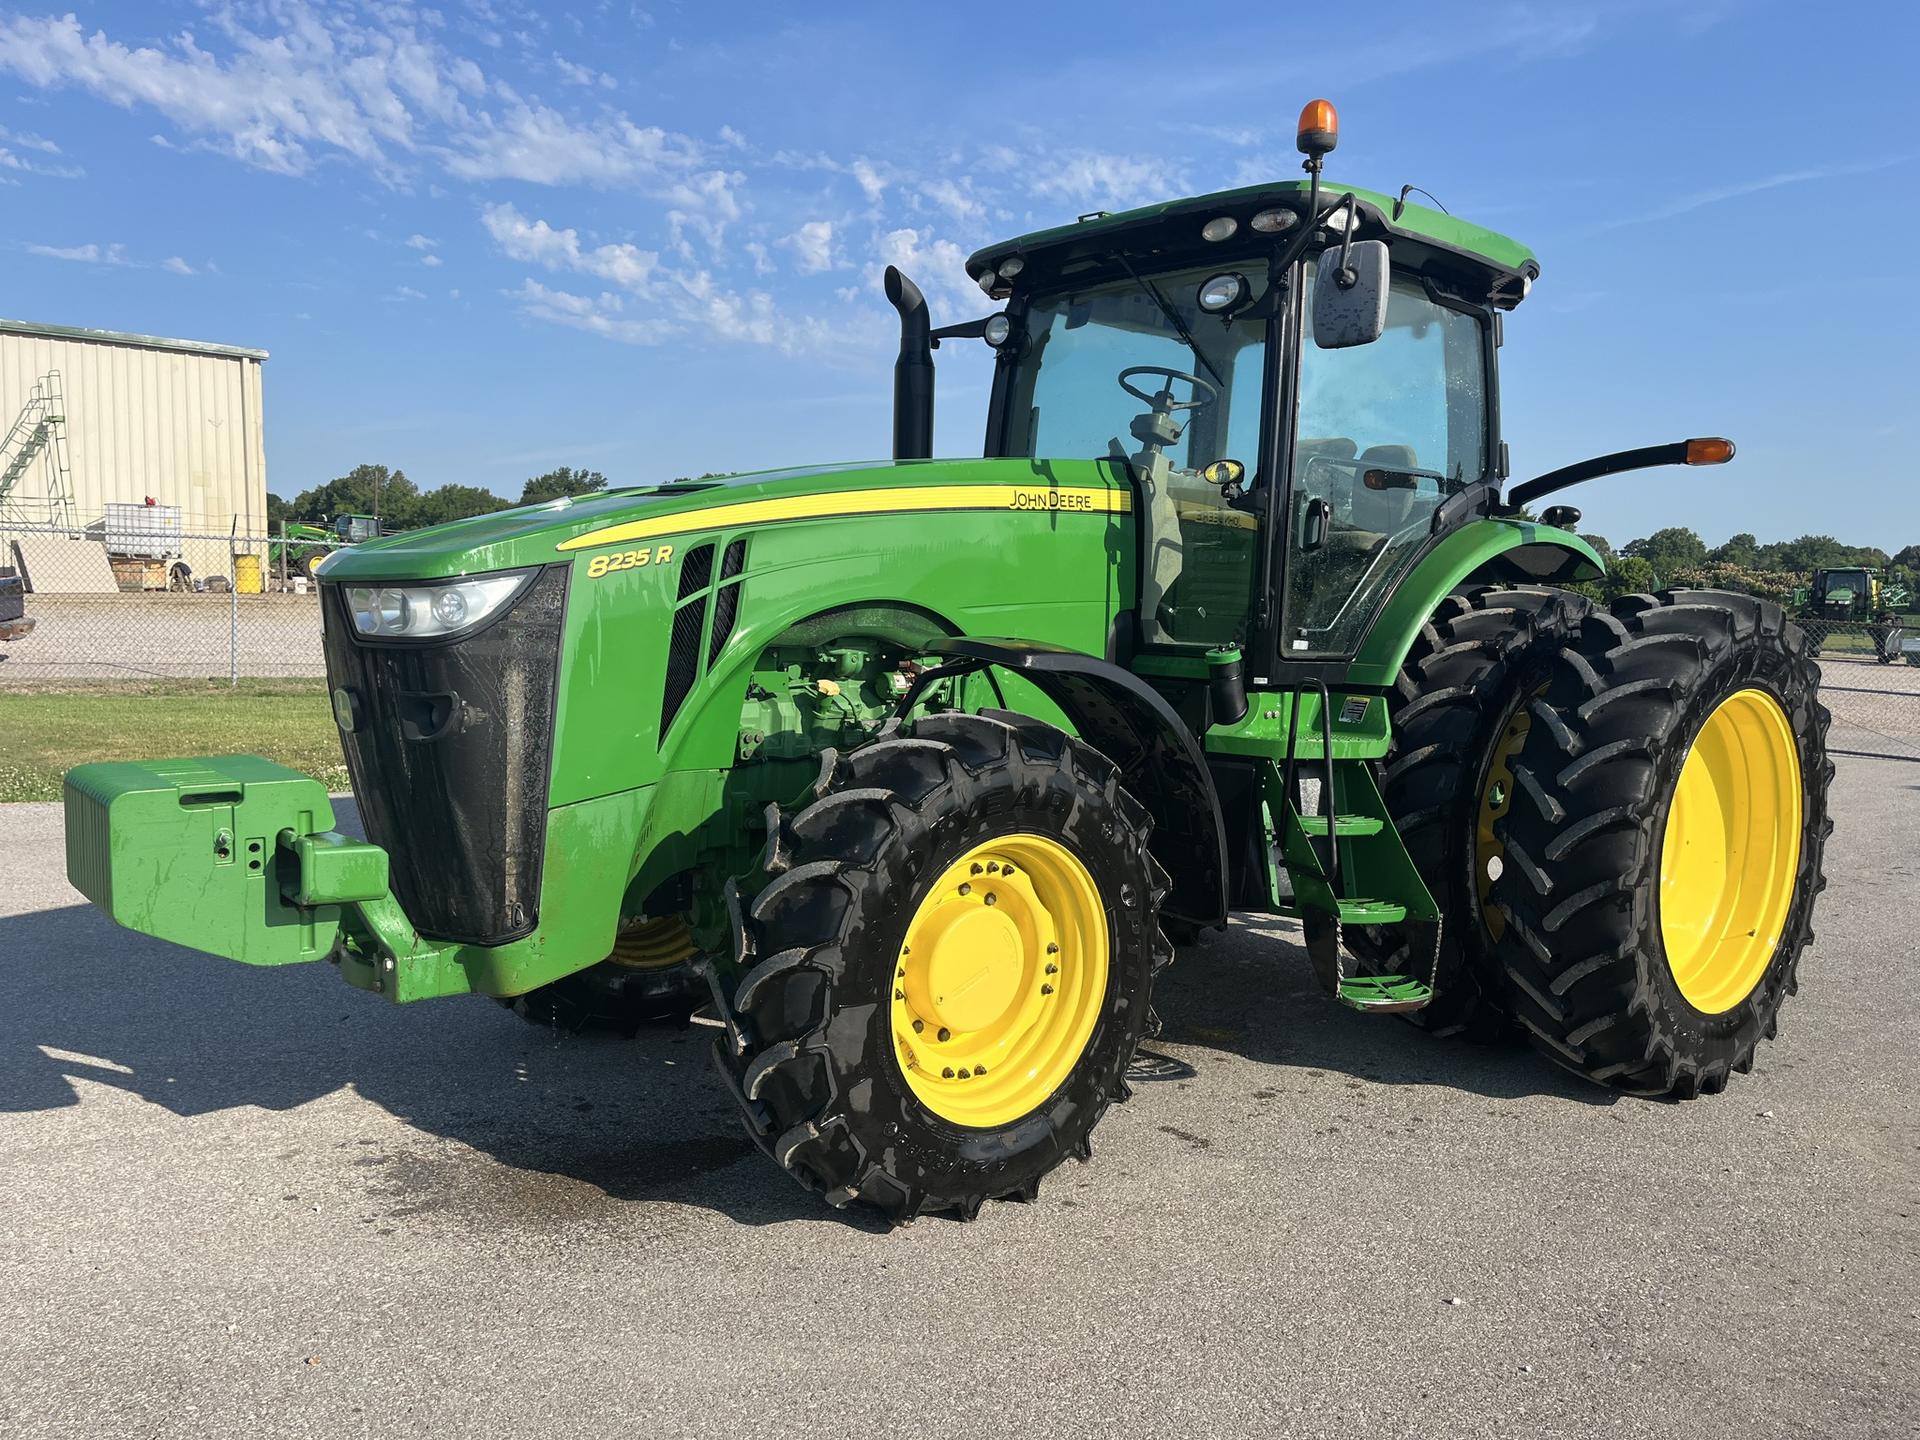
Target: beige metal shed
(179, 421)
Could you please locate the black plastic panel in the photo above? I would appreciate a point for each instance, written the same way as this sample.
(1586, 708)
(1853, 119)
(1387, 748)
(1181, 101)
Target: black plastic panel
(451, 758)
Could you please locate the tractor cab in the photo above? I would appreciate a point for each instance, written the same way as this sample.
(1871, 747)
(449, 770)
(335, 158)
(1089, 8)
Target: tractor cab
(1301, 386)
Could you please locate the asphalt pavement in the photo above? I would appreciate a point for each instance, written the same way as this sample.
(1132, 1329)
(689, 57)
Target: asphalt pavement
(263, 1203)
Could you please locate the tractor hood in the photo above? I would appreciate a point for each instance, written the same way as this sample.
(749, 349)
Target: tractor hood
(561, 529)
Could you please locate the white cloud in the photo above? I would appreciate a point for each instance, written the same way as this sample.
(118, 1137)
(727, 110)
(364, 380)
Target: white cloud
(1089, 175)
(812, 246)
(652, 302)
(585, 75)
(540, 145)
(870, 179)
(177, 266)
(539, 243)
(938, 267)
(432, 262)
(956, 197)
(420, 242)
(84, 254)
(406, 292)
(370, 83)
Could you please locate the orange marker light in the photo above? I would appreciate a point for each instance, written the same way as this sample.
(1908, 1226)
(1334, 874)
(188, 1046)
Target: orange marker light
(1709, 452)
(1319, 128)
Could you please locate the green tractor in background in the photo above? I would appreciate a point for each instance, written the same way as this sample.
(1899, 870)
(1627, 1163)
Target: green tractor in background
(912, 773)
(303, 545)
(1855, 595)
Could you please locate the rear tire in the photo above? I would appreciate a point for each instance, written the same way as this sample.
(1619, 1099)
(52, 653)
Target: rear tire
(822, 1072)
(1475, 663)
(1594, 979)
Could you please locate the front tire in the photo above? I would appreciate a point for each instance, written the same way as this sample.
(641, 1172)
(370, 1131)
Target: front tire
(980, 894)
(1664, 847)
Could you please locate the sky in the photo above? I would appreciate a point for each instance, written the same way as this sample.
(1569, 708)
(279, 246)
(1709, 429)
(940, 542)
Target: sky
(484, 238)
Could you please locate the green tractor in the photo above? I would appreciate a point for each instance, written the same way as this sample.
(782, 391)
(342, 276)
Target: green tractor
(1854, 595)
(305, 545)
(910, 775)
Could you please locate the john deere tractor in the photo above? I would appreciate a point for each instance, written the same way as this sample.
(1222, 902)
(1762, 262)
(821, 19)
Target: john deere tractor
(909, 775)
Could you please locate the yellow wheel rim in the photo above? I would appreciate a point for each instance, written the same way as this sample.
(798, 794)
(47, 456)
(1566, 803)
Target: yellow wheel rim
(1496, 798)
(1000, 980)
(1731, 852)
(654, 944)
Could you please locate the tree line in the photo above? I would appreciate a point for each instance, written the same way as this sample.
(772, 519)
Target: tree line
(403, 505)
(1676, 555)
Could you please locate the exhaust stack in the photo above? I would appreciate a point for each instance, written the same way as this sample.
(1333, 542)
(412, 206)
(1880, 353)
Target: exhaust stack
(912, 372)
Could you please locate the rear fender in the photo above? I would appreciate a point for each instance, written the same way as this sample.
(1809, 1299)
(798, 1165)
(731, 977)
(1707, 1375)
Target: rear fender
(1161, 763)
(1497, 551)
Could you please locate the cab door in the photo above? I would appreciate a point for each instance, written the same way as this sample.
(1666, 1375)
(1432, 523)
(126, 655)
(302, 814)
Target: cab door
(1382, 435)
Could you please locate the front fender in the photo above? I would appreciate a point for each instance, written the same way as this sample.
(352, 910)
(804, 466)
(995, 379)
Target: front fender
(1160, 760)
(1499, 550)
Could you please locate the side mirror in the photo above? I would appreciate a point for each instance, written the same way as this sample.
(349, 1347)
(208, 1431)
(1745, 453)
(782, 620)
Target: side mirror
(1350, 299)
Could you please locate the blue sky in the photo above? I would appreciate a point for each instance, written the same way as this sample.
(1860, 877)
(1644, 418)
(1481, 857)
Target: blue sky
(484, 237)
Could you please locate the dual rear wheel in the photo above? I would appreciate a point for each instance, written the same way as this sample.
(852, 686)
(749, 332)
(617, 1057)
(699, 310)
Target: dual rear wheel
(1622, 813)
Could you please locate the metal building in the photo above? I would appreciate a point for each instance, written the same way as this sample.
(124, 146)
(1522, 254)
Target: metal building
(177, 421)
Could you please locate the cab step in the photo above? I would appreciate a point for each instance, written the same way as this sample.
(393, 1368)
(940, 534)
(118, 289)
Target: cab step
(1385, 994)
(1371, 912)
(1343, 825)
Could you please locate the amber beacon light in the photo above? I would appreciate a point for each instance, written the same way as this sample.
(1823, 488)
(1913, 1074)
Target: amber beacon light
(1319, 128)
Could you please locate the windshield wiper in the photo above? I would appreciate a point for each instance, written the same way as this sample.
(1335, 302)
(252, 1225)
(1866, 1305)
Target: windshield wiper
(1172, 315)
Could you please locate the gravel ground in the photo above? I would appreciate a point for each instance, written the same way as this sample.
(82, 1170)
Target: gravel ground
(132, 637)
(261, 1202)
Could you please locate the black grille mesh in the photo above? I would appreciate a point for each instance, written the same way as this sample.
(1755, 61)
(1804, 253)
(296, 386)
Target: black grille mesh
(463, 818)
(726, 606)
(683, 658)
(696, 570)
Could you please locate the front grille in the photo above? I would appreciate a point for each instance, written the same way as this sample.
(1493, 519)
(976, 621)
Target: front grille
(462, 817)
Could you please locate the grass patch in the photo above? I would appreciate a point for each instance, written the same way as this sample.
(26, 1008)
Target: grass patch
(47, 728)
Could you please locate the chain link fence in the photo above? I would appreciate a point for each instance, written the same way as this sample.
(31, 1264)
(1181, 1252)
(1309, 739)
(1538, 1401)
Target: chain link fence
(107, 605)
(1870, 680)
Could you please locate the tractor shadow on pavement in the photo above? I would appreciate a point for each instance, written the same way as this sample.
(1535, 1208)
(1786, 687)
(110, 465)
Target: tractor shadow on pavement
(582, 1124)
(1250, 993)
(628, 1120)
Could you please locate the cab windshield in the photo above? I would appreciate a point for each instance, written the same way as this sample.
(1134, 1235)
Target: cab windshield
(1066, 398)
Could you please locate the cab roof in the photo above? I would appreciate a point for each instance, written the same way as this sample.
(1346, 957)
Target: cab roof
(1175, 224)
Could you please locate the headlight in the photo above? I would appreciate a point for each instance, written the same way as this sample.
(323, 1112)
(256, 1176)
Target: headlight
(1221, 227)
(1273, 222)
(429, 612)
(1221, 293)
(1011, 266)
(997, 331)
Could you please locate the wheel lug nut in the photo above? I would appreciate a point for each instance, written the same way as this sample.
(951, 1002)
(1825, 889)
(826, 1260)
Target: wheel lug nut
(899, 994)
(975, 870)
(944, 1035)
(965, 889)
(992, 899)
(918, 1026)
(992, 867)
(979, 1069)
(964, 1075)
(1006, 869)
(1046, 989)
(947, 1074)
(1053, 969)
(1052, 949)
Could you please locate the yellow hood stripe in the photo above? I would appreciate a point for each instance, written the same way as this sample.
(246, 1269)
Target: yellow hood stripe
(1019, 499)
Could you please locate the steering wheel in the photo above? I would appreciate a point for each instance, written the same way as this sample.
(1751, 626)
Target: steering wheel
(1212, 391)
